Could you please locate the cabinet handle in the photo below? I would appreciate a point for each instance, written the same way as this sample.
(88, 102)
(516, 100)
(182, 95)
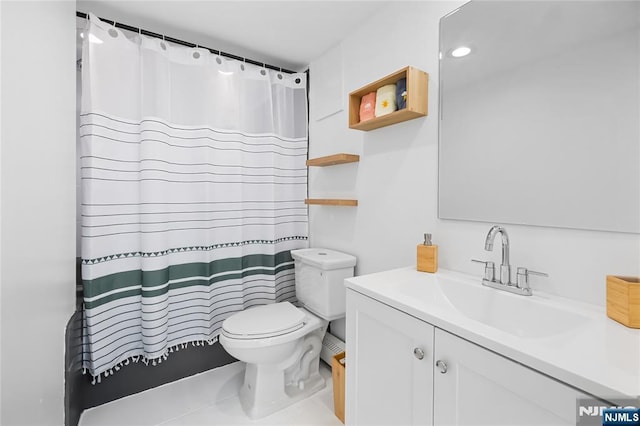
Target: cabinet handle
(442, 365)
(418, 353)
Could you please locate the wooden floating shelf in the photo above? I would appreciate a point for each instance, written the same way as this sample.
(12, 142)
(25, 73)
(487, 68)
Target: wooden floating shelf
(387, 120)
(416, 103)
(331, 202)
(332, 160)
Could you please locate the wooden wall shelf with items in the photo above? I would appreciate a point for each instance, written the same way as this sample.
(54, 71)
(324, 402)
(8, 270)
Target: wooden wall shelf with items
(331, 202)
(417, 89)
(333, 160)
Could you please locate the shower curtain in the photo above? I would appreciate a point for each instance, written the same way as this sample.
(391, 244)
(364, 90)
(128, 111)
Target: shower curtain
(193, 184)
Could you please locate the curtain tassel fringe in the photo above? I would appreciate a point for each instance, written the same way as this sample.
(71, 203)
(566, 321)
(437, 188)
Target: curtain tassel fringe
(154, 362)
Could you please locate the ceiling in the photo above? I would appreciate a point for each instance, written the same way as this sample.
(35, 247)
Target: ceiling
(288, 34)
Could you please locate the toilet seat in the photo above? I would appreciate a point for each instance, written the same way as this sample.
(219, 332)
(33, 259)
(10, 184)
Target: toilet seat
(264, 321)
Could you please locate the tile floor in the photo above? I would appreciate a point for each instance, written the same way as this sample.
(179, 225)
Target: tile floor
(210, 398)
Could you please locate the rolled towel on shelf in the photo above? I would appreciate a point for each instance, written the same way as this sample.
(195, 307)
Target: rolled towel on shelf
(386, 100)
(367, 106)
(401, 93)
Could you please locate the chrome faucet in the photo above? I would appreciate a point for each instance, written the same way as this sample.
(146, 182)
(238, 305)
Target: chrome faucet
(505, 268)
(521, 286)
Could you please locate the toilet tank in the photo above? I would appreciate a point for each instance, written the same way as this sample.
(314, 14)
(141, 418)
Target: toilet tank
(319, 278)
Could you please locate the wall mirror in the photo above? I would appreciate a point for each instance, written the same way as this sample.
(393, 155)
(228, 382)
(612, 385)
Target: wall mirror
(540, 120)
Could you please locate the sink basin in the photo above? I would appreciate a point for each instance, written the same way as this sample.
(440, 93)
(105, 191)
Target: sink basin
(524, 316)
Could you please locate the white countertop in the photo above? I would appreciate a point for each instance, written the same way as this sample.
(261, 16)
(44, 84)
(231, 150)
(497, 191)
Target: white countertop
(601, 357)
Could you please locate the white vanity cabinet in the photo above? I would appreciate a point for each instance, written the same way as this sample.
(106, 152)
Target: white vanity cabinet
(388, 384)
(389, 365)
(481, 387)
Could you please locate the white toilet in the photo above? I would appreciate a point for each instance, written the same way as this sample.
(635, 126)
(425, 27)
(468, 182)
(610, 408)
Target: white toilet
(281, 343)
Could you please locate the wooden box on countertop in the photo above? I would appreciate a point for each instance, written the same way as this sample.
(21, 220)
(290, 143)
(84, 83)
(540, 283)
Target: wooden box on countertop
(623, 300)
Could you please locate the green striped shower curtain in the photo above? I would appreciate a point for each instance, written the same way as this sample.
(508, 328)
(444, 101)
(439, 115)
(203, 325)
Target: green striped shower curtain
(193, 184)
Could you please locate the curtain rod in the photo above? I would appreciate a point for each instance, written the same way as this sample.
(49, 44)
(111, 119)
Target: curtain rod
(185, 43)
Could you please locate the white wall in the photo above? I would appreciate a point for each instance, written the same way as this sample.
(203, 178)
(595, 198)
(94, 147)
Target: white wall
(396, 181)
(38, 206)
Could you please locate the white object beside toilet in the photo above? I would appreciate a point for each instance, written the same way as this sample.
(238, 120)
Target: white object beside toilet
(281, 343)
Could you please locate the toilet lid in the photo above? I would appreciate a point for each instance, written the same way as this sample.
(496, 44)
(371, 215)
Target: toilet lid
(264, 321)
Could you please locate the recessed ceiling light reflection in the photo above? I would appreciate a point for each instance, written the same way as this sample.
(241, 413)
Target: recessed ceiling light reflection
(461, 51)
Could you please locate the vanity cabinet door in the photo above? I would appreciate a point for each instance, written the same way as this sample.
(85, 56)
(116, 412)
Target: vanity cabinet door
(389, 373)
(480, 387)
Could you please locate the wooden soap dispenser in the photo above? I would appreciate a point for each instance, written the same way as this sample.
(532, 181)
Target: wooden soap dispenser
(427, 255)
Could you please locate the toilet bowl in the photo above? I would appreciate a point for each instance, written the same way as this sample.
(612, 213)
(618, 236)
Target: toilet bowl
(282, 365)
(281, 343)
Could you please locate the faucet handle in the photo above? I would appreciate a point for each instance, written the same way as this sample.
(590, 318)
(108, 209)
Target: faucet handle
(523, 277)
(525, 271)
(489, 269)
